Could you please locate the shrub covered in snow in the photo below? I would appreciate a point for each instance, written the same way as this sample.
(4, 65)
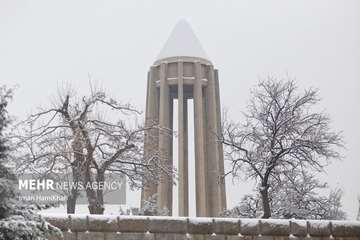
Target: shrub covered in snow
(297, 196)
(150, 208)
(17, 219)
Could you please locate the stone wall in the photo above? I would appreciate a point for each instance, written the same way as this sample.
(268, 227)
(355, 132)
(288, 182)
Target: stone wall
(111, 227)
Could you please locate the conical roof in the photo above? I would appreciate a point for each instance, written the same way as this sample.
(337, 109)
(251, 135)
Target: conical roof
(182, 42)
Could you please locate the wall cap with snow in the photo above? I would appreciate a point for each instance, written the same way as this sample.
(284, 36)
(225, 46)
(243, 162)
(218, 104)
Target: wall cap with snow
(205, 226)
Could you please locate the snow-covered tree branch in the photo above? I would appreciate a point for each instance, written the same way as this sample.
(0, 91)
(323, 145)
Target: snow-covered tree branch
(282, 132)
(90, 136)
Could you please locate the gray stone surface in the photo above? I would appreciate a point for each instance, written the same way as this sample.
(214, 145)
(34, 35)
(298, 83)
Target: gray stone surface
(182, 71)
(186, 78)
(106, 227)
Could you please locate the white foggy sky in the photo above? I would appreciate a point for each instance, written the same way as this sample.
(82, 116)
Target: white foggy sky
(44, 43)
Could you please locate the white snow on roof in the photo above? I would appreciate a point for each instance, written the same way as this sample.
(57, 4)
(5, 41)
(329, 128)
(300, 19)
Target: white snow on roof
(182, 42)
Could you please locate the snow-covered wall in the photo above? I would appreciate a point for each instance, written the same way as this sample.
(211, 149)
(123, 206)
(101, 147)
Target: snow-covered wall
(140, 227)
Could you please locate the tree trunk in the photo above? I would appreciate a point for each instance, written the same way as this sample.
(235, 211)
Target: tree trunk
(100, 178)
(95, 206)
(71, 199)
(70, 204)
(264, 191)
(76, 174)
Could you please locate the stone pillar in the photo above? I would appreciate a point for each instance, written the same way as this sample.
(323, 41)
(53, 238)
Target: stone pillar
(200, 165)
(182, 146)
(221, 151)
(183, 78)
(145, 189)
(186, 157)
(151, 136)
(212, 148)
(165, 143)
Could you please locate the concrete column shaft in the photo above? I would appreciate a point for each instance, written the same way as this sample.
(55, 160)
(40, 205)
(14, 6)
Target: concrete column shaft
(221, 151)
(151, 136)
(212, 148)
(165, 142)
(200, 165)
(182, 152)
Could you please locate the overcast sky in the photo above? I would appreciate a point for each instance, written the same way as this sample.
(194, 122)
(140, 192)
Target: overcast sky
(46, 43)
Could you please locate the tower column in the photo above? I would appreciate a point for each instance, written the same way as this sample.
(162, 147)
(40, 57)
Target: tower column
(165, 142)
(200, 164)
(212, 148)
(182, 144)
(221, 150)
(151, 136)
(182, 70)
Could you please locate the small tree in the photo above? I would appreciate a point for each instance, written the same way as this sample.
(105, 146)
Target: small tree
(294, 197)
(298, 195)
(249, 207)
(150, 207)
(281, 132)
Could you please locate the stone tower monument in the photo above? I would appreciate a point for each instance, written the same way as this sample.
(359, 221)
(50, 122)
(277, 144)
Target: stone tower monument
(183, 71)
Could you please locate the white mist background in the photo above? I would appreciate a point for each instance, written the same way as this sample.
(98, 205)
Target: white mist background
(45, 43)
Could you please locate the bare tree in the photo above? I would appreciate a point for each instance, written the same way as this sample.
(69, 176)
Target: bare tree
(48, 156)
(92, 135)
(295, 196)
(298, 195)
(281, 132)
(249, 207)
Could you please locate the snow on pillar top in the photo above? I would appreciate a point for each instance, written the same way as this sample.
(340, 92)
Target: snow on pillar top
(182, 43)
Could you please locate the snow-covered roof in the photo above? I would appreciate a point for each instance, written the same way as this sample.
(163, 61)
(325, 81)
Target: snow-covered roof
(182, 42)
